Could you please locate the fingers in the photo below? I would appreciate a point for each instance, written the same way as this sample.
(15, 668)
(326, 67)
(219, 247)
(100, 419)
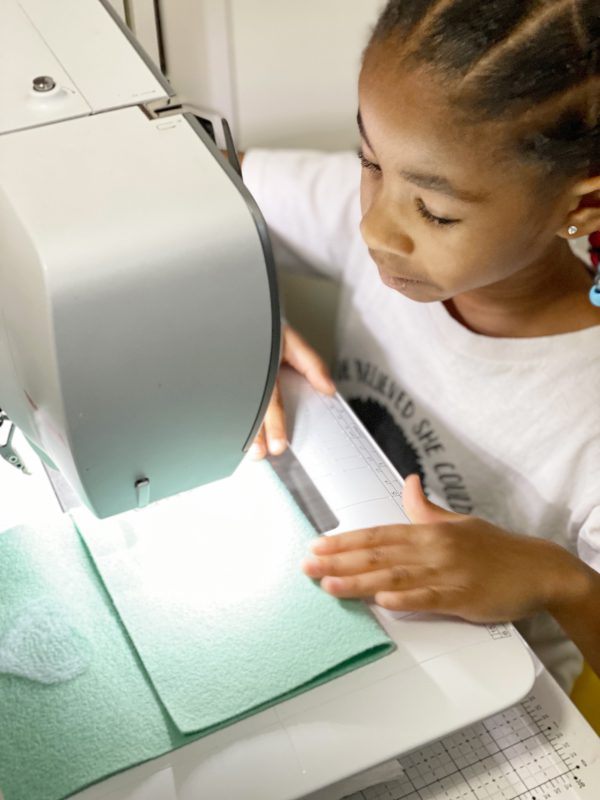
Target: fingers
(301, 356)
(363, 573)
(356, 562)
(363, 539)
(272, 437)
(394, 580)
(274, 424)
(420, 510)
(258, 449)
(392, 562)
(425, 598)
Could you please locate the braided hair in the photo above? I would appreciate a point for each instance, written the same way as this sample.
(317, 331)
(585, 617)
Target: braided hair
(535, 62)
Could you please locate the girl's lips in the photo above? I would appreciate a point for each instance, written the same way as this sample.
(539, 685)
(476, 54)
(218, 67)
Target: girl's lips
(400, 281)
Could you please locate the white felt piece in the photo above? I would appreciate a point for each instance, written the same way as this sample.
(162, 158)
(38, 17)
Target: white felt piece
(41, 645)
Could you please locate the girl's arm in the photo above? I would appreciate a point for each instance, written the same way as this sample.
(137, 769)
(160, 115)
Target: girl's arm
(454, 564)
(576, 608)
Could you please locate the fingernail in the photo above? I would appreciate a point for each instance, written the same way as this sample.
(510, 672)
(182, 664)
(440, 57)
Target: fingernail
(277, 446)
(318, 545)
(312, 567)
(332, 585)
(255, 451)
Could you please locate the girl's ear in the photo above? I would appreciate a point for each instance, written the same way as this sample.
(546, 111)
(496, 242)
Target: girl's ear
(585, 209)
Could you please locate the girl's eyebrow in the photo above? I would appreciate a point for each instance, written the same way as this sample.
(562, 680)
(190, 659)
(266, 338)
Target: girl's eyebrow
(362, 131)
(435, 183)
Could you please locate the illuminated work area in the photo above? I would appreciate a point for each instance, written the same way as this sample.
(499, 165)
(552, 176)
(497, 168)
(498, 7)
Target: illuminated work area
(165, 631)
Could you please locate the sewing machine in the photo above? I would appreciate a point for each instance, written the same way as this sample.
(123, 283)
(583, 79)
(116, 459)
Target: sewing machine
(139, 343)
(136, 272)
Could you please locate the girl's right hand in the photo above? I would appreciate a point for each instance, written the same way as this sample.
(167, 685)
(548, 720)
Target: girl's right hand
(272, 436)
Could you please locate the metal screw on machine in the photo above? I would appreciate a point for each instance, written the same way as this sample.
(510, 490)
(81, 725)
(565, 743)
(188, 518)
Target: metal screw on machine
(43, 83)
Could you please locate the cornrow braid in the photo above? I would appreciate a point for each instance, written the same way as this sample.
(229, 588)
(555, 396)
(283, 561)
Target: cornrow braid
(513, 59)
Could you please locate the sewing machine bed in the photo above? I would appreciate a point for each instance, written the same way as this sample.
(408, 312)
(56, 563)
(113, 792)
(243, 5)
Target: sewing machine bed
(443, 675)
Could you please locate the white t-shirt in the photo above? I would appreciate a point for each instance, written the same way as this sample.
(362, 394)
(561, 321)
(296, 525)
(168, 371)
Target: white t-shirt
(505, 429)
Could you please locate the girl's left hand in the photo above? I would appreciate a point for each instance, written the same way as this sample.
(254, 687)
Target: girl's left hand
(444, 562)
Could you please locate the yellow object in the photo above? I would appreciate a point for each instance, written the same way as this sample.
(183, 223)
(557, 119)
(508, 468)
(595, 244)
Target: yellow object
(586, 696)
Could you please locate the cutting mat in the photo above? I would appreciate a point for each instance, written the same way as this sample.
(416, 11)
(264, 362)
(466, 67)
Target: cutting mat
(540, 749)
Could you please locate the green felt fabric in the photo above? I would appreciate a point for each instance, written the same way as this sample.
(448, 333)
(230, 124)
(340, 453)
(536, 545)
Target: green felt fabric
(57, 738)
(209, 587)
(76, 704)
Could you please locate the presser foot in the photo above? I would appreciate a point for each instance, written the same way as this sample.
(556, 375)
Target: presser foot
(7, 451)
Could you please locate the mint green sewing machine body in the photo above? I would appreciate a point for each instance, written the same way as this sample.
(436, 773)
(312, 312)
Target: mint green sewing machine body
(136, 271)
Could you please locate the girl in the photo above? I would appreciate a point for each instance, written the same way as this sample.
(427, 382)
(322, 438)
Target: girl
(473, 356)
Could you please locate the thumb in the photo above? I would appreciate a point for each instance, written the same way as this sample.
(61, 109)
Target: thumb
(301, 356)
(420, 510)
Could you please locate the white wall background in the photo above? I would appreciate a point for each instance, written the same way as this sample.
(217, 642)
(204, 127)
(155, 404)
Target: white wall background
(282, 71)
(119, 6)
(296, 68)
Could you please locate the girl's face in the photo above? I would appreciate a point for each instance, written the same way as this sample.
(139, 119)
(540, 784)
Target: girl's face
(445, 210)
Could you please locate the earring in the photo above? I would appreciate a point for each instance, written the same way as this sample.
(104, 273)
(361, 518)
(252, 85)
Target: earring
(595, 255)
(572, 230)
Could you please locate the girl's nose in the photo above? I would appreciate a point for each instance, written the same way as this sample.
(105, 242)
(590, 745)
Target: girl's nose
(383, 233)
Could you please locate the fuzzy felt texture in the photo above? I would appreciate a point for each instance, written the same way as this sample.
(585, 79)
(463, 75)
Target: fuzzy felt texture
(209, 587)
(212, 620)
(101, 716)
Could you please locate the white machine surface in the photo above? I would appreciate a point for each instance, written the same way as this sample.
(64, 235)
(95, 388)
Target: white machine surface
(540, 749)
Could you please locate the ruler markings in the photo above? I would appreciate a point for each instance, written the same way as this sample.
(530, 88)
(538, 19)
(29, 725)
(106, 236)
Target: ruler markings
(514, 755)
(371, 455)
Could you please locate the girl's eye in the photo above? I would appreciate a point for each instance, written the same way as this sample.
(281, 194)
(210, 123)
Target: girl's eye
(426, 214)
(421, 207)
(366, 164)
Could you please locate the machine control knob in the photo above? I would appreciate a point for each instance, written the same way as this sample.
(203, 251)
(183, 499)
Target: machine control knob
(43, 83)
